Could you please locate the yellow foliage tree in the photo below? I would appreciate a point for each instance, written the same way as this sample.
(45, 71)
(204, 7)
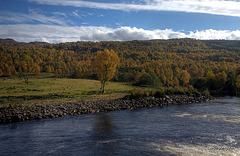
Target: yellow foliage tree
(220, 79)
(238, 85)
(104, 65)
(238, 82)
(185, 77)
(210, 75)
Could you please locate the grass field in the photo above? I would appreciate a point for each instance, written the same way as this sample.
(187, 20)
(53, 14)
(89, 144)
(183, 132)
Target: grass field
(46, 89)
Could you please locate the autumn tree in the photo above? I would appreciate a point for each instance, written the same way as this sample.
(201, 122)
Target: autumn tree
(231, 82)
(168, 75)
(220, 80)
(193, 70)
(238, 84)
(175, 82)
(26, 66)
(210, 77)
(185, 77)
(48, 69)
(104, 66)
(1, 73)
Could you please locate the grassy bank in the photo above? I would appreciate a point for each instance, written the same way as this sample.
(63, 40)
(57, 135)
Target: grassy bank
(46, 89)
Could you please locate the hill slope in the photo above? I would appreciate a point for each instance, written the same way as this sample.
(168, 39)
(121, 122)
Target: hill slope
(204, 64)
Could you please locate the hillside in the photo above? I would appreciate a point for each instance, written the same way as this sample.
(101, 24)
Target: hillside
(212, 64)
(15, 43)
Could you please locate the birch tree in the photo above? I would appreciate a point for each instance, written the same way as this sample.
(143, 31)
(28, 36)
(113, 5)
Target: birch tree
(104, 66)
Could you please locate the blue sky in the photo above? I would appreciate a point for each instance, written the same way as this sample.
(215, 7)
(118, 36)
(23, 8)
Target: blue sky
(57, 21)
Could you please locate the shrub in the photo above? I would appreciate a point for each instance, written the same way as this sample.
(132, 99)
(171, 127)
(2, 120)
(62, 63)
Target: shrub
(147, 93)
(137, 93)
(126, 77)
(196, 93)
(190, 88)
(200, 83)
(145, 80)
(149, 79)
(12, 105)
(179, 90)
(206, 92)
(153, 92)
(160, 92)
(170, 91)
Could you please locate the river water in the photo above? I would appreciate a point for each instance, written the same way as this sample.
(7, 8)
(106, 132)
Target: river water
(209, 128)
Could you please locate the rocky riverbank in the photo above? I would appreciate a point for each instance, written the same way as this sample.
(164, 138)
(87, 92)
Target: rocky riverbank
(24, 113)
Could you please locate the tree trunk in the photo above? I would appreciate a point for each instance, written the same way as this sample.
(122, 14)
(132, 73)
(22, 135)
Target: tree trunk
(25, 76)
(26, 79)
(102, 87)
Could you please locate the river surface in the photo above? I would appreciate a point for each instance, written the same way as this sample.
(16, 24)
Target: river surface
(208, 128)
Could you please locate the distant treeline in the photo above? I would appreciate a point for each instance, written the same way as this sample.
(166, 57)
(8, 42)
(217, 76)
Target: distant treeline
(211, 64)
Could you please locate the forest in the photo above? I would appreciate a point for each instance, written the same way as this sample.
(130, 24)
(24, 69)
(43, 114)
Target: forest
(212, 65)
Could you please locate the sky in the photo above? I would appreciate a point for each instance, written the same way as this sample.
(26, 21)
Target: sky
(57, 21)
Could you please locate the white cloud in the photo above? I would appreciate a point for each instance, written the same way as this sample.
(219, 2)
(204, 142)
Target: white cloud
(43, 39)
(218, 7)
(216, 34)
(33, 16)
(60, 14)
(56, 34)
(90, 14)
(75, 13)
(101, 15)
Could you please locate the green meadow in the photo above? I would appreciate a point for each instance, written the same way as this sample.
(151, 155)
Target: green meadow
(47, 89)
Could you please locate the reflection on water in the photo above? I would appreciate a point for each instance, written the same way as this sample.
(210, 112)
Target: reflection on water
(103, 135)
(103, 125)
(210, 128)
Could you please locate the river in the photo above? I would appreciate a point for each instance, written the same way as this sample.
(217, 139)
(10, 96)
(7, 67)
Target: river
(208, 128)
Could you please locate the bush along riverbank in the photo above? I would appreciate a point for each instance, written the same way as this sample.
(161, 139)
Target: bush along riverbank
(26, 113)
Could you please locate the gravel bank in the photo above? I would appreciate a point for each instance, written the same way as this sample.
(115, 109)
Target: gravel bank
(17, 114)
